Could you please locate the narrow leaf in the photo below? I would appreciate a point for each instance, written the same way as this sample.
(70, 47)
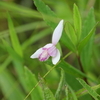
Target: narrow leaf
(86, 39)
(20, 10)
(88, 88)
(48, 95)
(67, 42)
(31, 81)
(14, 39)
(61, 83)
(84, 91)
(9, 87)
(5, 64)
(77, 22)
(73, 93)
(70, 69)
(71, 33)
(66, 93)
(11, 52)
(48, 15)
(88, 48)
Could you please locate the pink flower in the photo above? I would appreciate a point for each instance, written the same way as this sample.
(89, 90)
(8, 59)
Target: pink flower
(50, 49)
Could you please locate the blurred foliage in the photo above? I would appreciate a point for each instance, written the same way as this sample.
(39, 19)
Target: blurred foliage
(25, 26)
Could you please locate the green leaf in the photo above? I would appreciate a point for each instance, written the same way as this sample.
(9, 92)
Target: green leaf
(5, 64)
(86, 39)
(48, 15)
(14, 39)
(11, 52)
(18, 63)
(9, 87)
(84, 91)
(48, 95)
(77, 22)
(89, 89)
(24, 28)
(72, 92)
(31, 82)
(71, 33)
(60, 85)
(88, 48)
(66, 93)
(70, 69)
(67, 42)
(19, 10)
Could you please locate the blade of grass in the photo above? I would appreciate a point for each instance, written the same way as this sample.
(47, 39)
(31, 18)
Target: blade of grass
(24, 28)
(92, 92)
(19, 9)
(10, 87)
(83, 91)
(14, 39)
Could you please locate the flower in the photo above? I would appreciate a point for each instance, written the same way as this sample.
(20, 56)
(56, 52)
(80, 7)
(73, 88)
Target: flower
(50, 49)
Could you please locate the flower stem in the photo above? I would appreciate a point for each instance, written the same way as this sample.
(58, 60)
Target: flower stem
(46, 75)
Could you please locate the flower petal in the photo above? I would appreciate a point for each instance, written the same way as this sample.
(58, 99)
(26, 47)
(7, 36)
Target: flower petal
(48, 45)
(52, 51)
(57, 33)
(56, 58)
(37, 53)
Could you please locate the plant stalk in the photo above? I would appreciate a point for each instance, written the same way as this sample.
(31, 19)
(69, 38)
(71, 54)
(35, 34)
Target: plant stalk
(81, 68)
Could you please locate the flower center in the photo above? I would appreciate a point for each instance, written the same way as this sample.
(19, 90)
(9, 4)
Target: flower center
(52, 51)
(44, 56)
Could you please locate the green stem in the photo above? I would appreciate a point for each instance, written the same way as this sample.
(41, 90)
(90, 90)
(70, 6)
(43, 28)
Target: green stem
(81, 68)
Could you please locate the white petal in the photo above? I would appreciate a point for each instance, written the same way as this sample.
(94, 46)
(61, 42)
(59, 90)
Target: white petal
(56, 58)
(52, 51)
(37, 53)
(48, 45)
(57, 33)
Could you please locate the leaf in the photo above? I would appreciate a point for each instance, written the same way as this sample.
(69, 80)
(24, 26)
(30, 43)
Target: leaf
(60, 85)
(89, 89)
(83, 91)
(88, 48)
(70, 69)
(31, 81)
(71, 33)
(24, 28)
(5, 64)
(86, 39)
(20, 10)
(66, 93)
(11, 52)
(48, 15)
(9, 87)
(18, 63)
(48, 95)
(67, 42)
(68, 87)
(73, 93)
(14, 39)
(77, 22)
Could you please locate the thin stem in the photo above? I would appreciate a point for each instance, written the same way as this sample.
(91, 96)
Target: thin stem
(81, 68)
(46, 75)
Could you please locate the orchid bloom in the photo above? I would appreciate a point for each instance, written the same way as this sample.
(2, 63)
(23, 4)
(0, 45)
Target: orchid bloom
(50, 49)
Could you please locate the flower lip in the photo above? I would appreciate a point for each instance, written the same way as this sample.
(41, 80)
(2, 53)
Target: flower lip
(52, 51)
(44, 56)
